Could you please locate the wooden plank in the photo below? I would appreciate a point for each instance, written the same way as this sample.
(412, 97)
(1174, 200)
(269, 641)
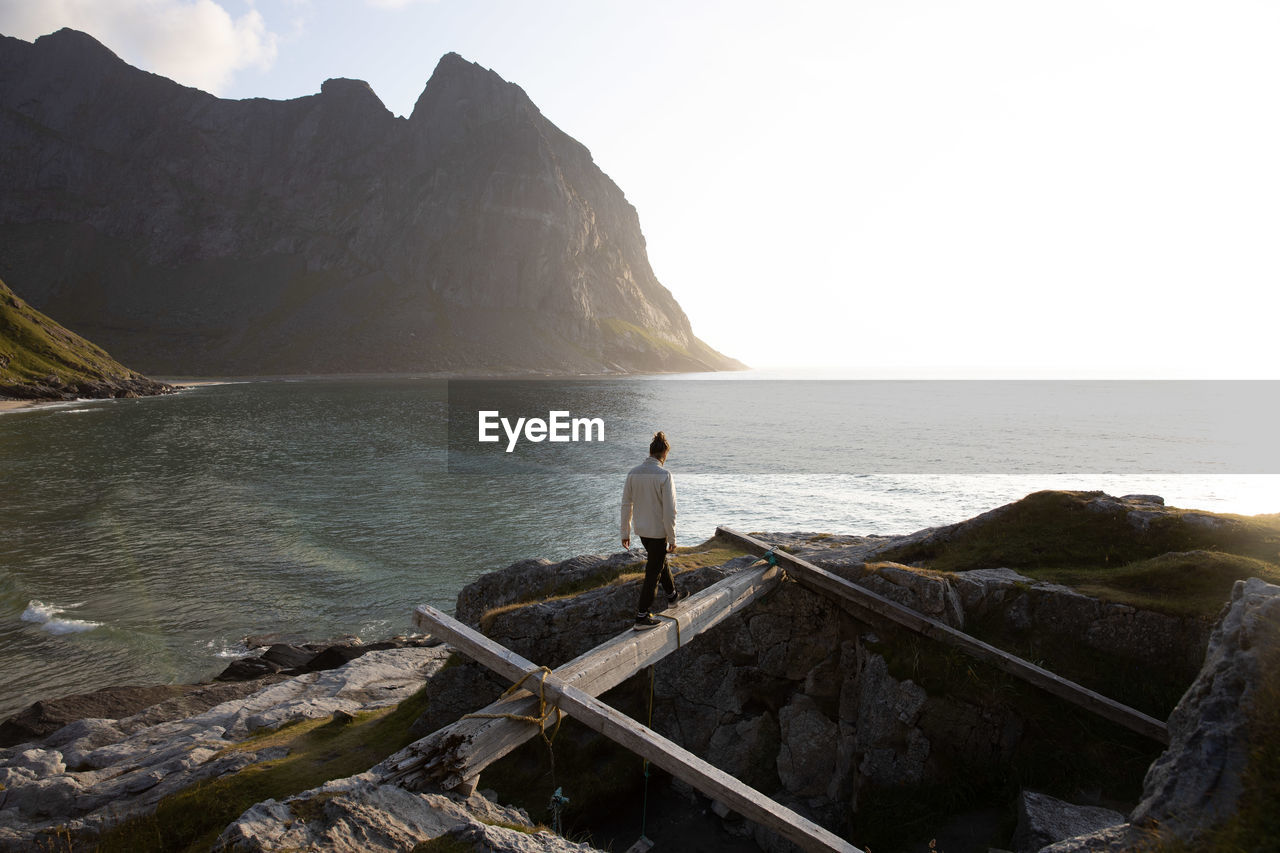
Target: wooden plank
(630, 734)
(822, 581)
(458, 752)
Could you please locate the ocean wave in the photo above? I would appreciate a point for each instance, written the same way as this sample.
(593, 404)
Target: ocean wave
(48, 617)
(221, 648)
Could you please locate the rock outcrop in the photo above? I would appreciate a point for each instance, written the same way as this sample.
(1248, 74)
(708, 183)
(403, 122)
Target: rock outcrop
(1198, 782)
(41, 360)
(197, 236)
(96, 772)
(357, 815)
(808, 700)
(797, 696)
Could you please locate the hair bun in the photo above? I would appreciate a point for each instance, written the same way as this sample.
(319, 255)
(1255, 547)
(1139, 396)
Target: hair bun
(659, 444)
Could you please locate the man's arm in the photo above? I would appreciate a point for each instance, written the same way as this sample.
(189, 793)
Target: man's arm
(626, 513)
(669, 510)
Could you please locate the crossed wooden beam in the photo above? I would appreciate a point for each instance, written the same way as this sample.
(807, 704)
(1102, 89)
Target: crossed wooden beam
(453, 756)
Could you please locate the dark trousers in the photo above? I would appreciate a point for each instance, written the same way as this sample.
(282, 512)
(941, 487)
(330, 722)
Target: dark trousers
(654, 570)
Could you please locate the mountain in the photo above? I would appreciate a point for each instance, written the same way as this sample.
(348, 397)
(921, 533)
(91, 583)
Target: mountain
(200, 236)
(40, 360)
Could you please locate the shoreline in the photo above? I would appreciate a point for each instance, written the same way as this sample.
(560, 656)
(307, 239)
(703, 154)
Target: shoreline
(182, 383)
(8, 404)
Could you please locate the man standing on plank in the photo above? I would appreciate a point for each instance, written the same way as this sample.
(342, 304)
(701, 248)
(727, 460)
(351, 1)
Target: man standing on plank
(650, 493)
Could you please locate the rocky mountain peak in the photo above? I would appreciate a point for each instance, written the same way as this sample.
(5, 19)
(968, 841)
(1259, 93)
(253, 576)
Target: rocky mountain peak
(80, 45)
(461, 87)
(356, 95)
(196, 235)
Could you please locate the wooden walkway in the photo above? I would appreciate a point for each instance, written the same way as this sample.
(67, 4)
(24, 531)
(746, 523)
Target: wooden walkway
(453, 756)
(625, 731)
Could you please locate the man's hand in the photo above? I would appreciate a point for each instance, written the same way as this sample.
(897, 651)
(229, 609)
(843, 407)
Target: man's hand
(671, 549)
(626, 543)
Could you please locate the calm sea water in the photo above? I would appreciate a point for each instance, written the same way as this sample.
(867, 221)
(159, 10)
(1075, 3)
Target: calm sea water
(142, 540)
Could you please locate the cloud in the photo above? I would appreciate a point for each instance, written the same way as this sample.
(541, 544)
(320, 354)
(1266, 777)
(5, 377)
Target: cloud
(394, 4)
(195, 42)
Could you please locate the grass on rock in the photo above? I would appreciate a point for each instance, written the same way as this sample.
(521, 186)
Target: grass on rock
(319, 750)
(1177, 565)
(32, 347)
(713, 552)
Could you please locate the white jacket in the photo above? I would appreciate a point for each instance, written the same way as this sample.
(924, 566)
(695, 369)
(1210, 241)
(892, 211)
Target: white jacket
(650, 493)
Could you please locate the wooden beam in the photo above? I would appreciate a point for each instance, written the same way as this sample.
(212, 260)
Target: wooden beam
(630, 734)
(822, 581)
(458, 752)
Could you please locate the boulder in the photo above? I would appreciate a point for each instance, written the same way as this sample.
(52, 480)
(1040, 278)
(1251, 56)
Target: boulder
(358, 815)
(248, 669)
(1197, 782)
(334, 656)
(47, 716)
(286, 656)
(1044, 820)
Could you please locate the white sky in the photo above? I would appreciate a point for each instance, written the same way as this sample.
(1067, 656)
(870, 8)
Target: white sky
(916, 188)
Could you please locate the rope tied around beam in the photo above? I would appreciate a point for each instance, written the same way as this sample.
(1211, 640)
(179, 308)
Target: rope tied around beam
(544, 711)
(671, 619)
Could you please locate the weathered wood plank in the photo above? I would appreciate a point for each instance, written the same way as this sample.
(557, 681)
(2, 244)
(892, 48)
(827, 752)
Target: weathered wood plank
(822, 581)
(458, 752)
(630, 734)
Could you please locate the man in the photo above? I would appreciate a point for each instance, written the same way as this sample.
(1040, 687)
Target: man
(650, 493)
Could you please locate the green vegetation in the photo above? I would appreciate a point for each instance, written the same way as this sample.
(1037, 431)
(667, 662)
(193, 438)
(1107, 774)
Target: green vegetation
(319, 750)
(713, 552)
(34, 347)
(1183, 583)
(1176, 565)
(443, 844)
(625, 331)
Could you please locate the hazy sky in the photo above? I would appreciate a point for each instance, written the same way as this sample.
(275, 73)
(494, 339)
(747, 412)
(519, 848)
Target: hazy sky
(991, 188)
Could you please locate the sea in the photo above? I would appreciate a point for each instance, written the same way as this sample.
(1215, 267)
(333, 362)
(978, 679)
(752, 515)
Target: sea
(142, 541)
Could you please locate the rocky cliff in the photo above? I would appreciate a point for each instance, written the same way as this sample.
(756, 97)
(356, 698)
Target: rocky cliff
(881, 735)
(41, 360)
(194, 235)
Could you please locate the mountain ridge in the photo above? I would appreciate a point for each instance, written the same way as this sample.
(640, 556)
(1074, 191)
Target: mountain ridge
(200, 236)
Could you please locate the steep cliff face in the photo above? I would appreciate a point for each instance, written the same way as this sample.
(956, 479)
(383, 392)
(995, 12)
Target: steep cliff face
(190, 234)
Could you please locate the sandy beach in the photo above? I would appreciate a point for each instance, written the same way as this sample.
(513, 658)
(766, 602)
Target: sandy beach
(12, 405)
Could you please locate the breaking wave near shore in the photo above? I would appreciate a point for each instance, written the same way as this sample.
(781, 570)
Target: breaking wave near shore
(50, 618)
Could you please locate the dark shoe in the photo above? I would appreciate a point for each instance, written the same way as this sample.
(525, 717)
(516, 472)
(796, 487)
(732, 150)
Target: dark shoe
(645, 621)
(676, 597)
